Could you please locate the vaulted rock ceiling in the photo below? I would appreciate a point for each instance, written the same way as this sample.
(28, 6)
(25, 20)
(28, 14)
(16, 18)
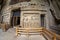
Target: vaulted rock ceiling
(17, 1)
(56, 5)
(2, 3)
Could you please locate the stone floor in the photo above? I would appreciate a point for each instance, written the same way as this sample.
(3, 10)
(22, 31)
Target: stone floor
(10, 35)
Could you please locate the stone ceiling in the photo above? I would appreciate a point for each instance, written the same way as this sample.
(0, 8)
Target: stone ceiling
(58, 2)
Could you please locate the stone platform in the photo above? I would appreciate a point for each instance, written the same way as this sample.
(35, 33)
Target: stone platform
(10, 35)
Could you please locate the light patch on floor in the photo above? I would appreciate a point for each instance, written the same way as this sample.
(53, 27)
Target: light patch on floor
(10, 35)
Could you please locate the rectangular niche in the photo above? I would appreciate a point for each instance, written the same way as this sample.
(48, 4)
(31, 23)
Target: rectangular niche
(31, 20)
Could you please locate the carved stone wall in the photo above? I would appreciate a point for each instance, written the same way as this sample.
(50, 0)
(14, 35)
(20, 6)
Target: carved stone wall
(30, 8)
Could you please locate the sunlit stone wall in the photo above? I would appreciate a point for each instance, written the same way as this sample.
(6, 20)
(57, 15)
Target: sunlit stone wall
(34, 6)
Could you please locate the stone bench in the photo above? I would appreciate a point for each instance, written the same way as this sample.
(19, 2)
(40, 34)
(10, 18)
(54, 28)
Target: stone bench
(27, 30)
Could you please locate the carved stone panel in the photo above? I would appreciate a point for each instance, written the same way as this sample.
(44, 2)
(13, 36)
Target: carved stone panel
(31, 20)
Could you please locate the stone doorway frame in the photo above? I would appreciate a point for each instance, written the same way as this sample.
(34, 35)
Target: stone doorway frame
(12, 14)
